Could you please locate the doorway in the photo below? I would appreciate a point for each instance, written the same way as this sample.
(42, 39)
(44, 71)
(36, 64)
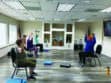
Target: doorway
(58, 38)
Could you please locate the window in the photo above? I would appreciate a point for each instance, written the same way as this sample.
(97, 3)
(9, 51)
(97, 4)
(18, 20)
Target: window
(69, 27)
(46, 27)
(12, 33)
(68, 38)
(3, 34)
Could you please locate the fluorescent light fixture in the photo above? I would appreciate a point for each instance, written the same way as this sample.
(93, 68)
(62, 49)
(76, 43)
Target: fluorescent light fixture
(81, 20)
(106, 10)
(57, 19)
(14, 4)
(65, 7)
(86, 1)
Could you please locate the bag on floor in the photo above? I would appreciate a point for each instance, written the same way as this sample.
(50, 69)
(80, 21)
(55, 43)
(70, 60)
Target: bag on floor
(16, 80)
(65, 65)
(48, 62)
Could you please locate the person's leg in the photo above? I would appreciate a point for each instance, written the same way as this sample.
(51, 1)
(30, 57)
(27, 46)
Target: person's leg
(41, 47)
(35, 51)
(82, 57)
(31, 63)
(81, 54)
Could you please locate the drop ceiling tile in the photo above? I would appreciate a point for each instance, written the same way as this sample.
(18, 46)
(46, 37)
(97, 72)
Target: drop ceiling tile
(31, 4)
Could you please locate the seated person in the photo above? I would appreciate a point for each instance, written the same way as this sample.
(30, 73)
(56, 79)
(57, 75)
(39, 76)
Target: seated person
(22, 60)
(90, 41)
(36, 41)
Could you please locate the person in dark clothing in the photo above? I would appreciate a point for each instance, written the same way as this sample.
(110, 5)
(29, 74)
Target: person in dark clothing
(23, 60)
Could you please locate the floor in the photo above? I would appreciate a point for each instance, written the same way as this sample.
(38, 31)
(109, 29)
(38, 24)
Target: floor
(56, 74)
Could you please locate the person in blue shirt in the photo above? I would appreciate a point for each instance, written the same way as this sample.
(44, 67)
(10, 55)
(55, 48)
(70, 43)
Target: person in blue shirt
(90, 41)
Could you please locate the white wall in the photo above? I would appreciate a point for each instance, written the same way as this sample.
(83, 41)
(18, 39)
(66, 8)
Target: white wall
(6, 19)
(28, 27)
(5, 50)
(81, 29)
(107, 46)
(96, 27)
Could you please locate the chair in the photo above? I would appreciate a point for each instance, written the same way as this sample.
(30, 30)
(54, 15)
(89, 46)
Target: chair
(13, 55)
(96, 54)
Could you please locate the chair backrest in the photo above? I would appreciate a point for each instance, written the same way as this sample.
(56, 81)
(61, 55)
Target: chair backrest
(99, 49)
(13, 56)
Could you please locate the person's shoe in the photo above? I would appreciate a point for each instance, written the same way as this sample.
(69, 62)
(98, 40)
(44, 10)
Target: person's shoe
(34, 74)
(82, 65)
(32, 77)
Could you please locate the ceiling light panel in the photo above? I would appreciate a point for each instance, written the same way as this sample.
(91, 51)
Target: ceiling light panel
(63, 1)
(29, 0)
(106, 10)
(37, 14)
(65, 7)
(31, 4)
(35, 6)
(14, 4)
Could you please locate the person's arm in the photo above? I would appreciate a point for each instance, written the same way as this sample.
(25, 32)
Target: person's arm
(94, 39)
(85, 38)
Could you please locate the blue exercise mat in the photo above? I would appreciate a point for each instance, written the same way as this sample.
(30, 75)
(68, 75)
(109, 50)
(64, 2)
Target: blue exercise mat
(46, 50)
(16, 80)
(48, 62)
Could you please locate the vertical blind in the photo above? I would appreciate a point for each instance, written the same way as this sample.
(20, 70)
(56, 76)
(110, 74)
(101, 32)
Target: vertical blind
(12, 33)
(3, 34)
(7, 36)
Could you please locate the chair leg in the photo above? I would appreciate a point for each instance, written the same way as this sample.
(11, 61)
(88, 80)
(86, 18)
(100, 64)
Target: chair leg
(26, 73)
(95, 61)
(13, 73)
(17, 71)
(99, 61)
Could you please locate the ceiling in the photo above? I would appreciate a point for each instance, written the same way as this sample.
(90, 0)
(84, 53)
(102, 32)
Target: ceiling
(46, 10)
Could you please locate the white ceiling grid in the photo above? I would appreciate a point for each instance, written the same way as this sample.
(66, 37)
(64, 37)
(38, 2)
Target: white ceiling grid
(47, 9)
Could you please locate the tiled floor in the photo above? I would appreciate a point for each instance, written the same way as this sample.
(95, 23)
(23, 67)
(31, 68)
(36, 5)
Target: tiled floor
(56, 74)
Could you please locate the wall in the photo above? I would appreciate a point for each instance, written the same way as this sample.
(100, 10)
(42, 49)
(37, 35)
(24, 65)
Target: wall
(28, 27)
(107, 46)
(81, 29)
(96, 27)
(8, 20)
(5, 50)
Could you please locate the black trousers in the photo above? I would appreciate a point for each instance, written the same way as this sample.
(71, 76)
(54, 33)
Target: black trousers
(41, 47)
(83, 55)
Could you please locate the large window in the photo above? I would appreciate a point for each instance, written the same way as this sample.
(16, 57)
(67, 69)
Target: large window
(12, 33)
(3, 34)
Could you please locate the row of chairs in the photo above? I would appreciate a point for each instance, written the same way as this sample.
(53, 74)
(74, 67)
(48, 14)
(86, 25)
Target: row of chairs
(13, 54)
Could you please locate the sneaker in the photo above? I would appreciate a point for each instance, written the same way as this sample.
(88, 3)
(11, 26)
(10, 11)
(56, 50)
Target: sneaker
(82, 65)
(34, 74)
(32, 77)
